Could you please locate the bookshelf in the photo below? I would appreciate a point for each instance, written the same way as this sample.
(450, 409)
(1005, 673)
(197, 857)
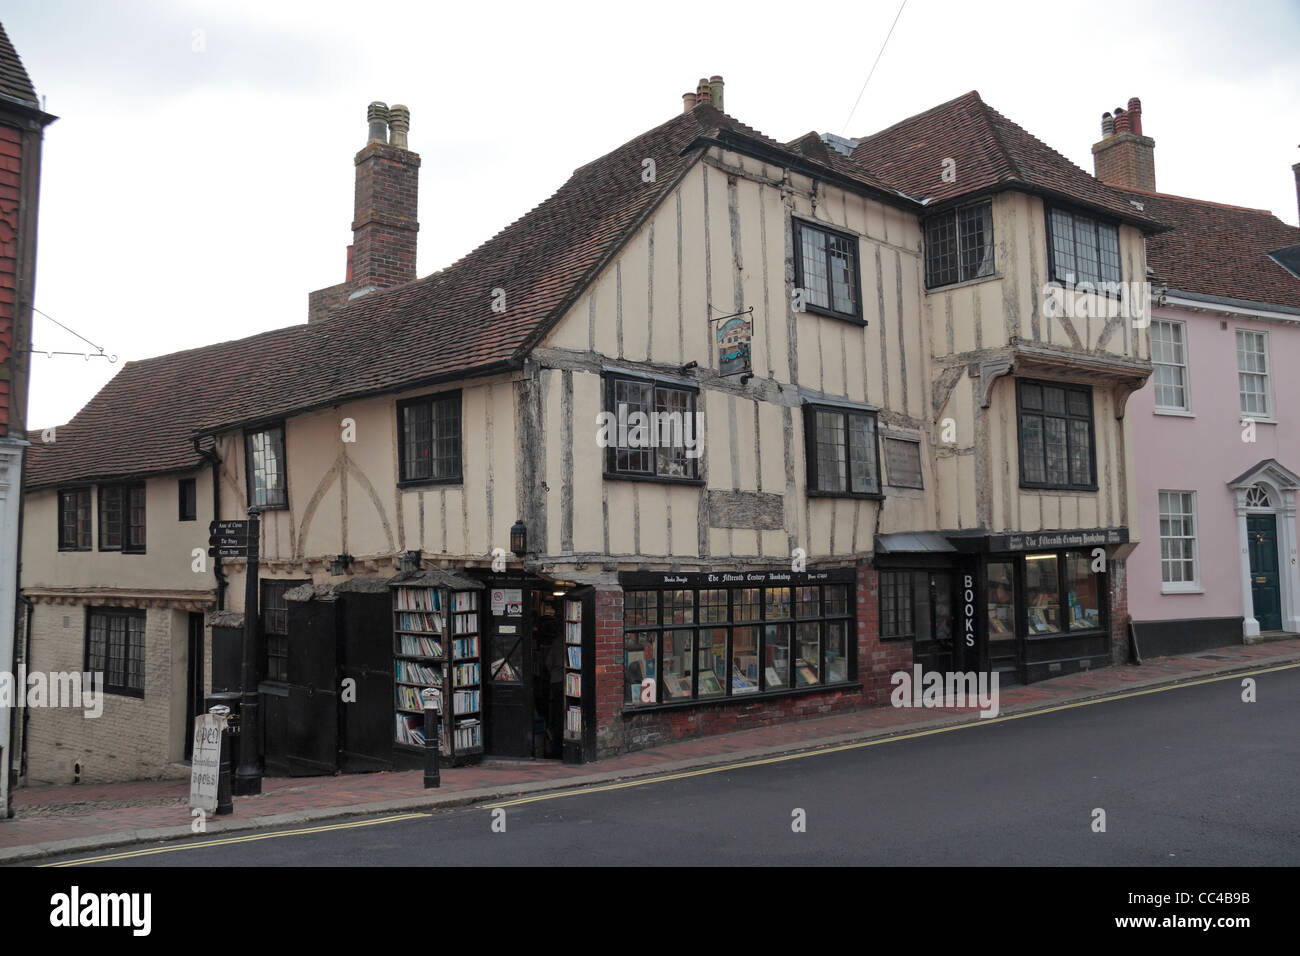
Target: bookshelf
(437, 644)
(573, 671)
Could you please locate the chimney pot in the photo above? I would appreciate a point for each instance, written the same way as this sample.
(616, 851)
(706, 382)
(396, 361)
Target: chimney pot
(715, 91)
(399, 124)
(1135, 115)
(688, 102)
(704, 96)
(1121, 120)
(1107, 125)
(377, 118)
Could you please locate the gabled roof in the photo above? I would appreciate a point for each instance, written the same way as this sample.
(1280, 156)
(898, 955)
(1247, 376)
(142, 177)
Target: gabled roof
(990, 153)
(14, 81)
(1220, 251)
(432, 330)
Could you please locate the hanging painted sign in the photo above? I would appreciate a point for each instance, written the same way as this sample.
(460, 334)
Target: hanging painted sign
(734, 335)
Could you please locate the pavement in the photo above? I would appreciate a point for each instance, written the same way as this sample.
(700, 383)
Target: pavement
(72, 818)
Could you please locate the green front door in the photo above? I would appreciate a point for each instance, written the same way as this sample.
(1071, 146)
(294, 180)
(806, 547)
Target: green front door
(1261, 534)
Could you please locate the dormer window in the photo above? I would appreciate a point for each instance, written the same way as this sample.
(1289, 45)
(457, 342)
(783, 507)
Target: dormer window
(959, 245)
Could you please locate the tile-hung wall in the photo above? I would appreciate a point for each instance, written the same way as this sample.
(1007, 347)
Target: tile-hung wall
(998, 317)
(726, 238)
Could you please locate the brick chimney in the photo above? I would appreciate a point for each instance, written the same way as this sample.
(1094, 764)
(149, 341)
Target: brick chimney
(1296, 169)
(1124, 157)
(384, 225)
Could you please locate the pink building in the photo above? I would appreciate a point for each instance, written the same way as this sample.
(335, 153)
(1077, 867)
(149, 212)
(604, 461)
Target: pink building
(1216, 427)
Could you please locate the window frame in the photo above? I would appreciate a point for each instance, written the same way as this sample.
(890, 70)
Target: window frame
(1047, 485)
(130, 614)
(793, 616)
(1269, 415)
(1179, 587)
(855, 317)
(432, 400)
(1075, 279)
(1186, 407)
(85, 503)
(954, 214)
(1064, 631)
(187, 487)
(890, 580)
(810, 411)
(276, 642)
(609, 405)
(124, 490)
(250, 485)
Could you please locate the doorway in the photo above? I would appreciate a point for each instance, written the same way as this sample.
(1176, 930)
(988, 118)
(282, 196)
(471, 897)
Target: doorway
(1265, 586)
(194, 696)
(933, 596)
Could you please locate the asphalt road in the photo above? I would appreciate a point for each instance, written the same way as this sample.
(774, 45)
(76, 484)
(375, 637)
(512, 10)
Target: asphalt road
(1190, 776)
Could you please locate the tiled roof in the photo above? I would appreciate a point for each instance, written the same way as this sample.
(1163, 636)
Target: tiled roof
(433, 329)
(989, 151)
(14, 81)
(1220, 250)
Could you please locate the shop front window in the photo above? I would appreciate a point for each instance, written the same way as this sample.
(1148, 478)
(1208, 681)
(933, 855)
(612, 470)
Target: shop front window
(1043, 594)
(685, 644)
(1082, 599)
(744, 660)
(677, 664)
(1002, 601)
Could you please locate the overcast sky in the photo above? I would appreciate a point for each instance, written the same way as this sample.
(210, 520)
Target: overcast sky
(198, 183)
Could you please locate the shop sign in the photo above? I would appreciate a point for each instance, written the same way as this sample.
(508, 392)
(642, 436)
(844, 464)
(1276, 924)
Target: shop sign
(720, 579)
(968, 607)
(1051, 540)
(508, 602)
(205, 766)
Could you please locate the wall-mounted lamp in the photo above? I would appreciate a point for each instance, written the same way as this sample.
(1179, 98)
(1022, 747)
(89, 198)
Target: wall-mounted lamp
(341, 564)
(519, 538)
(689, 366)
(410, 561)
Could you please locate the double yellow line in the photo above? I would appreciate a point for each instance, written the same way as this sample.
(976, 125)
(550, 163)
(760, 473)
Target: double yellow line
(664, 778)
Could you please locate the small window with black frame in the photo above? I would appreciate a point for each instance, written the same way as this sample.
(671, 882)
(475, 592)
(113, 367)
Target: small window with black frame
(842, 451)
(187, 492)
(651, 430)
(115, 648)
(275, 625)
(265, 464)
(959, 244)
(826, 271)
(429, 439)
(122, 518)
(74, 519)
(1083, 249)
(1056, 435)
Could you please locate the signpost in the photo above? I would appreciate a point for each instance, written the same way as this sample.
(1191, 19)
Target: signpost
(228, 539)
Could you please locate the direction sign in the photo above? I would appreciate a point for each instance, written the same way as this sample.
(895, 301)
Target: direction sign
(239, 528)
(240, 552)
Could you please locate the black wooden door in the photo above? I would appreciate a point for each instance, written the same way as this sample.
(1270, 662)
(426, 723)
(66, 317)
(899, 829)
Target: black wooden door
(508, 658)
(1265, 590)
(193, 680)
(933, 648)
(311, 711)
(366, 688)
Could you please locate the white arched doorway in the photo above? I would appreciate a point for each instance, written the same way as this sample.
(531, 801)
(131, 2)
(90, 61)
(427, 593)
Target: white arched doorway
(1264, 499)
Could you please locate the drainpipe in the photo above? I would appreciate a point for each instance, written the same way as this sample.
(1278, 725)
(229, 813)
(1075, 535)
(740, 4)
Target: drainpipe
(210, 455)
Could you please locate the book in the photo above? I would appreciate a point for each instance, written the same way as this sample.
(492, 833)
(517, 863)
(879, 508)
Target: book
(573, 685)
(575, 657)
(773, 679)
(573, 611)
(709, 684)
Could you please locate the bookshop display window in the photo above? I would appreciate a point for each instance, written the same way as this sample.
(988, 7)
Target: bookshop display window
(709, 644)
(1002, 600)
(1063, 594)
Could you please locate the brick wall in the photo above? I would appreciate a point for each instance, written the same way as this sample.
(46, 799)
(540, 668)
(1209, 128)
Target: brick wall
(1119, 616)
(10, 166)
(384, 225)
(877, 659)
(617, 734)
(1127, 161)
(134, 738)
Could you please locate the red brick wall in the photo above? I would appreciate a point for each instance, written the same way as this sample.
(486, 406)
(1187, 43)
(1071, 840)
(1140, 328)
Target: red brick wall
(616, 733)
(1119, 616)
(877, 659)
(10, 168)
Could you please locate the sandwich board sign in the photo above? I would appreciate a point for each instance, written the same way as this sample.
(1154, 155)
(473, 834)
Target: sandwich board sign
(205, 766)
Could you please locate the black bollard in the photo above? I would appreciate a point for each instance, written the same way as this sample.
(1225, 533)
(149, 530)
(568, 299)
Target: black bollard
(225, 804)
(431, 721)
